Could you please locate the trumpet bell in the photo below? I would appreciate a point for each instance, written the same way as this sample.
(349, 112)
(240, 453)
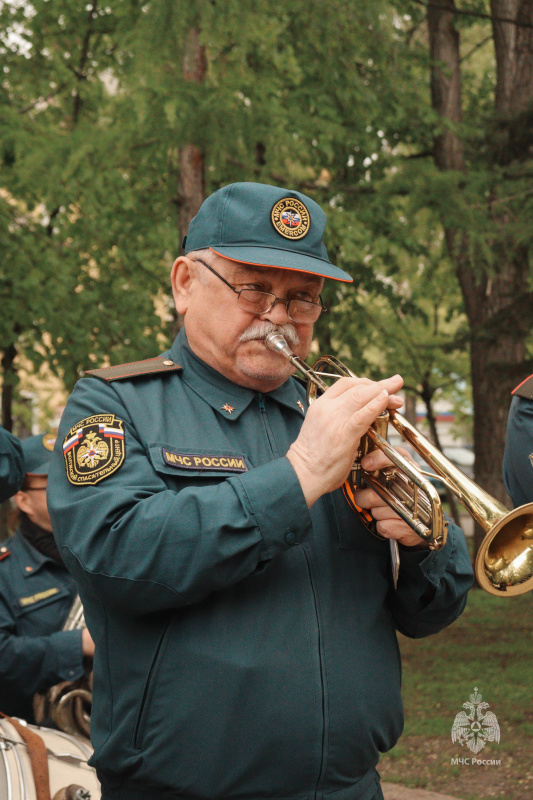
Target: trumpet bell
(504, 563)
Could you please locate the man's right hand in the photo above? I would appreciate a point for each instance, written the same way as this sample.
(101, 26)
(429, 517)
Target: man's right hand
(323, 454)
(87, 644)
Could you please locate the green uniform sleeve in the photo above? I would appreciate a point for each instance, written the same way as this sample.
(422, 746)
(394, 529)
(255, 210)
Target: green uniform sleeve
(34, 663)
(432, 586)
(518, 457)
(142, 546)
(11, 465)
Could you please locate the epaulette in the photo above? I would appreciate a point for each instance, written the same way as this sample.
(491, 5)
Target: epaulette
(525, 389)
(4, 553)
(133, 369)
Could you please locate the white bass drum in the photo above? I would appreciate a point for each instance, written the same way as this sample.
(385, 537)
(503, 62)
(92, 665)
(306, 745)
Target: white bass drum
(70, 777)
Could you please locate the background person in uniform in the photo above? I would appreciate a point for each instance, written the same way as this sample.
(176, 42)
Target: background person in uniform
(36, 593)
(518, 456)
(11, 465)
(244, 617)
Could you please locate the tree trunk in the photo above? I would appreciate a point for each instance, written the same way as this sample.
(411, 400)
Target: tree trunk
(191, 179)
(427, 396)
(446, 84)
(409, 410)
(191, 169)
(513, 45)
(9, 379)
(497, 347)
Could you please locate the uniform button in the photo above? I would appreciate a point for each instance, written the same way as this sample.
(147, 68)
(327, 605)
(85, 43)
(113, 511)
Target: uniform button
(168, 363)
(29, 569)
(290, 537)
(3, 549)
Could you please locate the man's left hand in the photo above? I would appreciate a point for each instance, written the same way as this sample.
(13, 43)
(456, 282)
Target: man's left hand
(389, 524)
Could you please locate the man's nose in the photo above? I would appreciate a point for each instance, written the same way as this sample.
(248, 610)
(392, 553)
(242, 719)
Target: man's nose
(278, 313)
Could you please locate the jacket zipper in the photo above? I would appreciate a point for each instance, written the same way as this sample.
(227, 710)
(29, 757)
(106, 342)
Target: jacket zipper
(264, 417)
(320, 657)
(153, 665)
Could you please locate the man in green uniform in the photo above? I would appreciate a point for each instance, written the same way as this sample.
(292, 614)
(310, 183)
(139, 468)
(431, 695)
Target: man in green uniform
(518, 457)
(36, 593)
(11, 465)
(244, 617)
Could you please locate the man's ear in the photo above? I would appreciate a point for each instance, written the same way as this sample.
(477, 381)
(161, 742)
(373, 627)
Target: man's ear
(181, 278)
(23, 501)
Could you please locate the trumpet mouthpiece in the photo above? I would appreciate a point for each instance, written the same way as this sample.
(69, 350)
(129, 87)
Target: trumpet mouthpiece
(277, 343)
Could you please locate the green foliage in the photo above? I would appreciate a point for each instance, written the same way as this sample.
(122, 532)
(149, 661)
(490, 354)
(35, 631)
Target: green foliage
(80, 260)
(331, 100)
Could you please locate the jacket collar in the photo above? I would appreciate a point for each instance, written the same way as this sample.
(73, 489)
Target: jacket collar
(227, 398)
(30, 560)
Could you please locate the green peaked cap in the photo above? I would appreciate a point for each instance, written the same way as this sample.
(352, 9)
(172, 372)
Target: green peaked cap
(256, 223)
(37, 452)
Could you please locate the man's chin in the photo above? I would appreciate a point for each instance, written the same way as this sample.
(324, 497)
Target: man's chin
(267, 372)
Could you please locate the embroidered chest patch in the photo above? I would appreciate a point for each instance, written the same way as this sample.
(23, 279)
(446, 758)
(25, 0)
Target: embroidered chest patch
(199, 461)
(34, 598)
(94, 449)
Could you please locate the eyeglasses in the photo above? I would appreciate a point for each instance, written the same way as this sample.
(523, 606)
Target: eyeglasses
(257, 302)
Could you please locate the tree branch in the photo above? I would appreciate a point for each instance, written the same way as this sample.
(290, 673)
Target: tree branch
(41, 100)
(473, 13)
(83, 58)
(476, 47)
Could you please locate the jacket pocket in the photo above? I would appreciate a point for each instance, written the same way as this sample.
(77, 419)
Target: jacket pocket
(152, 673)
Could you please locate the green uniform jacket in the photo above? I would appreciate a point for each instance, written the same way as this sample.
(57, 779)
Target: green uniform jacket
(245, 645)
(35, 597)
(518, 456)
(11, 465)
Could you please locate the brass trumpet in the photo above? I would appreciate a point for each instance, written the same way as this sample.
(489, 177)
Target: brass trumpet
(68, 704)
(504, 563)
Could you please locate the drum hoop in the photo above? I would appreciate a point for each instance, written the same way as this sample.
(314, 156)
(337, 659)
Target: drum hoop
(23, 777)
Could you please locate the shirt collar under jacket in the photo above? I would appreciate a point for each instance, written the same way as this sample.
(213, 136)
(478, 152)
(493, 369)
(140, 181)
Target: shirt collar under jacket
(219, 391)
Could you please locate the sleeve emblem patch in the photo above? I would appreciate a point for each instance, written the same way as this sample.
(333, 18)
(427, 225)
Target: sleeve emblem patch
(94, 449)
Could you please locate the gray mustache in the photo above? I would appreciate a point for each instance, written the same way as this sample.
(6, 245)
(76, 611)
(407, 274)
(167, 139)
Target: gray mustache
(261, 328)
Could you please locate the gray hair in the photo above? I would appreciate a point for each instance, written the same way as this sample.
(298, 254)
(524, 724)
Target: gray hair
(202, 274)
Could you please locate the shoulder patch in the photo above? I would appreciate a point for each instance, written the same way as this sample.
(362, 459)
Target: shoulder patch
(94, 449)
(134, 369)
(525, 389)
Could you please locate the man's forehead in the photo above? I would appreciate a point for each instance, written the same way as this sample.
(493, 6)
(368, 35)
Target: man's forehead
(247, 271)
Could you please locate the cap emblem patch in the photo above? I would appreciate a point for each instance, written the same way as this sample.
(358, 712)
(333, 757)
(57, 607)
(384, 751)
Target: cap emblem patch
(290, 218)
(94, 449)
(49, 440)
